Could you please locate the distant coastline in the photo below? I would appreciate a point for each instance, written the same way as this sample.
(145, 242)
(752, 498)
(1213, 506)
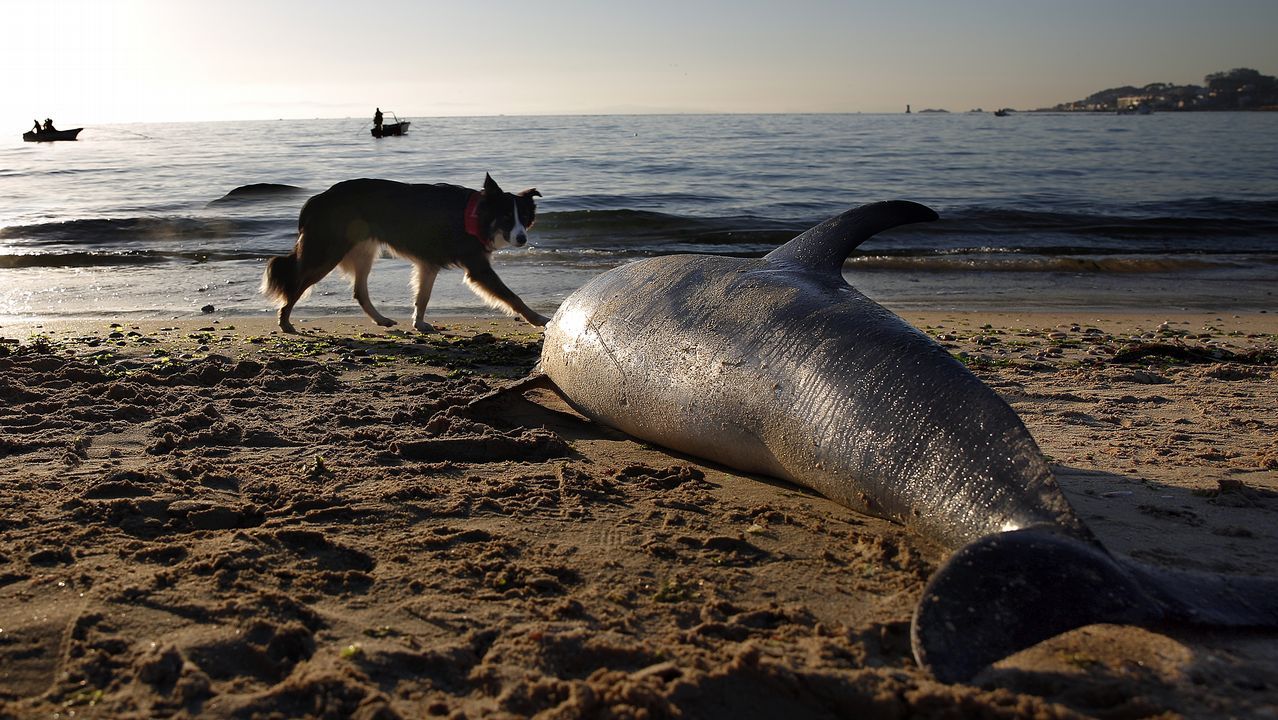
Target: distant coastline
(1237, 89)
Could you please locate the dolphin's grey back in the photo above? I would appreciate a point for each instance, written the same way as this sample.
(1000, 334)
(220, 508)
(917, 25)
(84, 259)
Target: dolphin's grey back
(777, 366)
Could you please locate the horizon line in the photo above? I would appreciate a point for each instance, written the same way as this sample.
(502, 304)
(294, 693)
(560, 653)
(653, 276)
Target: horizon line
(924, 111)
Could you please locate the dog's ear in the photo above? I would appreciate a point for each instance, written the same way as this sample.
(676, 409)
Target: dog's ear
(490, 185)
(530, 192)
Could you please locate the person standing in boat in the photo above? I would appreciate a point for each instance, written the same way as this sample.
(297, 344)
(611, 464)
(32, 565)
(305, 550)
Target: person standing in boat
(48, 125)
(377, 120)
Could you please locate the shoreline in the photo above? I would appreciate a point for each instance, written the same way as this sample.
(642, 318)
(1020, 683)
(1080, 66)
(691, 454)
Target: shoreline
(208, 517)
(226, 287)
(1216, 328)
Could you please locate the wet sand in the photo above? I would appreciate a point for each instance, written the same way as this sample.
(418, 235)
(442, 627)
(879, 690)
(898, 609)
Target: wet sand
(208, 518)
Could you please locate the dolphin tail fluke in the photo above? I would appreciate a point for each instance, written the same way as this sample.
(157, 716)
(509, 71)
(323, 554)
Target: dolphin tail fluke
(1209, 599)
(826, 246)
(1005, 592)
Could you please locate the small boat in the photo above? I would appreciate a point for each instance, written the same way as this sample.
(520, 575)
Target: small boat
(391, 129)
(1001, 113)
(50, 135)
(399, 127)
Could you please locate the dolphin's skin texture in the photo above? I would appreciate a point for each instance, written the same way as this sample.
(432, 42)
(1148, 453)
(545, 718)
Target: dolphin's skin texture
(770, 366)
(777, 366)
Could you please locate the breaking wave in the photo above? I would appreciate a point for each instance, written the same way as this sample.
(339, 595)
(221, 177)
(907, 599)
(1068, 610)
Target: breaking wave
(1192, 235)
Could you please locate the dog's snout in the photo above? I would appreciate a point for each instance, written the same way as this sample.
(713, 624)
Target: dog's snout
(521, 239)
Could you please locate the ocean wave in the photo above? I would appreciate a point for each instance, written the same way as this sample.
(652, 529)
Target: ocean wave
(112, 231)
(943, 261)
(1201, 217)
(258, 191)
(639, 227)
(108, 259)
(1204, 218)
(1146, 264)
(76, 260)
(1207, 227)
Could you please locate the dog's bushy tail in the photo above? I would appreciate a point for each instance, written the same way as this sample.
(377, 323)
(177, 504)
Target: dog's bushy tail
(280, 280)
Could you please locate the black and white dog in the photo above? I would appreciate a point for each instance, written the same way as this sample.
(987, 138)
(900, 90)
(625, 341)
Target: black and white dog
(434, 226)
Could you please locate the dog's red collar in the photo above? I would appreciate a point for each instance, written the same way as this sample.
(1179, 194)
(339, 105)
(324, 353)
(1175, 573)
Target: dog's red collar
(471, 220)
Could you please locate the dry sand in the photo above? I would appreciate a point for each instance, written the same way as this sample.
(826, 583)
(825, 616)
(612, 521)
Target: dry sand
(208, 518)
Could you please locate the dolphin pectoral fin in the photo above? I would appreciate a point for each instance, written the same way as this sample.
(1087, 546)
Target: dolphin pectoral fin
(533, 380)
(1003, 593)
(825, 247)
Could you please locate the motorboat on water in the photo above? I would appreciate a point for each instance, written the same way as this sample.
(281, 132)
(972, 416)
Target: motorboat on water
(399, 127)
(50, 135)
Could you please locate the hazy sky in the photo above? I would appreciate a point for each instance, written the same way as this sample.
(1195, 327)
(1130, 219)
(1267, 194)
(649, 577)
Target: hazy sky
(96, 61)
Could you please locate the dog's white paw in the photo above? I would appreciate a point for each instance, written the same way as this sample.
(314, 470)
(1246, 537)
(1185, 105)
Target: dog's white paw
(423, 326)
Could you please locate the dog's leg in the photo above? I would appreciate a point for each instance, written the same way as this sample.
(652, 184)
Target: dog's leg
(285, 324)
(280, 281)
(483, 281)
(288, 277)
(423, 284)
(308, 276)
(358, 263)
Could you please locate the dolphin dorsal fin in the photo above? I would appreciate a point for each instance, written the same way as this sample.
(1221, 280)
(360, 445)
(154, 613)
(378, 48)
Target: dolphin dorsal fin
(825, 247)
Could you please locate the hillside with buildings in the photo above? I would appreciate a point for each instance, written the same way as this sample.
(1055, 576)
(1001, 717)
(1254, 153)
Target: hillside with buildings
(1237, 89)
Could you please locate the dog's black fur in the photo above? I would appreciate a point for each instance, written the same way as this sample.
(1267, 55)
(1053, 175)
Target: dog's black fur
(349, 224)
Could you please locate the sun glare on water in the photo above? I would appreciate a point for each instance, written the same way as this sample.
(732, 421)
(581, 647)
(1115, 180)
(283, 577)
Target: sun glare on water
(76, 61)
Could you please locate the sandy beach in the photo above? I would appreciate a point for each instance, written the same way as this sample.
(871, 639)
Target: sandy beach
(208, 518)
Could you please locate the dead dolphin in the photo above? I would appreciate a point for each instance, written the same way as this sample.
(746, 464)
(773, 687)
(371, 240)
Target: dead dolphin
(777, 366)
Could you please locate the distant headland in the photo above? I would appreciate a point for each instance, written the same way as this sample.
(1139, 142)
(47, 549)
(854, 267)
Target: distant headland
(1237, 89)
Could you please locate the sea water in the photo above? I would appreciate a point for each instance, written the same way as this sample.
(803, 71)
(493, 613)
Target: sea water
(1038, 211)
